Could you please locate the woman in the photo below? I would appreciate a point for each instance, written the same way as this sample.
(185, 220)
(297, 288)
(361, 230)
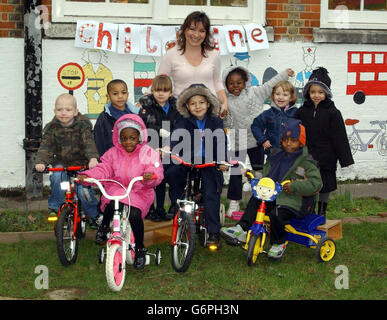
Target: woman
(194, 60)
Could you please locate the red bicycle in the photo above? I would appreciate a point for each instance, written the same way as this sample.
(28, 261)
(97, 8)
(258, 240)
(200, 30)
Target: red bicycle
(190, 219)
(71, 221)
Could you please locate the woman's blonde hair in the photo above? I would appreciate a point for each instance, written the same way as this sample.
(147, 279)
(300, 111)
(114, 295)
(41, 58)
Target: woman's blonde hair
(285, 86)
(162, 83)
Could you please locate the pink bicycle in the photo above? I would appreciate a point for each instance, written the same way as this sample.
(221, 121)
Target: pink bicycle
(120, 246)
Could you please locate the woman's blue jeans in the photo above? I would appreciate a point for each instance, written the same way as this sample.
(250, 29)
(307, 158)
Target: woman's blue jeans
(89, 202)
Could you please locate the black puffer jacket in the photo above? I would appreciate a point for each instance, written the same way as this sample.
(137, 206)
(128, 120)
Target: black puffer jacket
(326, 137)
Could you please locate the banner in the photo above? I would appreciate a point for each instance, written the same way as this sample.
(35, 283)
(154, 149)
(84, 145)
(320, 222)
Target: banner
(154, 40)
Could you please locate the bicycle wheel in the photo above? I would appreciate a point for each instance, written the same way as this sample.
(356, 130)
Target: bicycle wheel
(115, 268)
(353, 144)
(382, 145)
(183, 249)
(253, 248)
(202, 231)
(66, 242)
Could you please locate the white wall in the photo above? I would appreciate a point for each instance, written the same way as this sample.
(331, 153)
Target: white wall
(334, 57)
(12, 156)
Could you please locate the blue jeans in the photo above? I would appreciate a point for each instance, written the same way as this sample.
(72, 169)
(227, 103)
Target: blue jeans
(89, 204)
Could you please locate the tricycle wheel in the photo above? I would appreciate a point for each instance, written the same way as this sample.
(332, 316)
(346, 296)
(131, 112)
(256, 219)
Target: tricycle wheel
(253, 248)
(326, 249)
(158, 257)
(101, 255)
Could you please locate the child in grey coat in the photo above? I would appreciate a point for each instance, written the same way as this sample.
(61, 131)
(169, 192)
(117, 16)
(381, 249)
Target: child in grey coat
(245, 102)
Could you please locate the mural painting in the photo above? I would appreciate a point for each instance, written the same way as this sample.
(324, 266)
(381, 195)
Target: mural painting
(97, 75)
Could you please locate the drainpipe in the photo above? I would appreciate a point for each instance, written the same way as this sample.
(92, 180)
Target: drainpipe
(33, 95)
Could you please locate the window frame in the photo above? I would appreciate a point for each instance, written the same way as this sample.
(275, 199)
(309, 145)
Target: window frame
(155, 12)
(343, 19)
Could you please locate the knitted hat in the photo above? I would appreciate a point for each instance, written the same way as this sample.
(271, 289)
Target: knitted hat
(321, 78)
(294, 129)
(129, 124)
(197, 89)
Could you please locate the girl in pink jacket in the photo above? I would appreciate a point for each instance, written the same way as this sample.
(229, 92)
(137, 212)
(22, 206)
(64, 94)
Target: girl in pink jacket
(128, 158)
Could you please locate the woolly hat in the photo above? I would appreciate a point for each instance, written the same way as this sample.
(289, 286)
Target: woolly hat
(129, 124)
(321, 78)
(197, 89)
(294, 129)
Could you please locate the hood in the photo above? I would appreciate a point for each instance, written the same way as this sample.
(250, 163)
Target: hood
(135, 118)
(201, 90)
(227, 71)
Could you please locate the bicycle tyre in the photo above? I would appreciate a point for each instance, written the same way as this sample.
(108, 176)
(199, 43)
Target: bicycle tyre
(253, 249)
(66, 244)
(115, 268)
(202, 231)
(382, 145)
(183, 249)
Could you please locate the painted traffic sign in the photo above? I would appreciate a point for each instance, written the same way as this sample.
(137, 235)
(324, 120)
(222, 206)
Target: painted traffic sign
(71, 76)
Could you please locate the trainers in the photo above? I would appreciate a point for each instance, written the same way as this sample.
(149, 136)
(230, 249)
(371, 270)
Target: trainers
(235, 232)
(101, 235)
(52, 215)
(93, 223)
(213, 242)
(140, 258)
(276, 251)
(234, 206)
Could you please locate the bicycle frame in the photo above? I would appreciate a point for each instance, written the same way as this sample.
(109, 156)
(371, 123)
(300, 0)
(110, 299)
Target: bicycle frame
(356, 133)
(71, 198)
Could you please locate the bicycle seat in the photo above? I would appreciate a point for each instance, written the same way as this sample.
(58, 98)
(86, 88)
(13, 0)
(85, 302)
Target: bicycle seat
(351, 122)
(307, 224)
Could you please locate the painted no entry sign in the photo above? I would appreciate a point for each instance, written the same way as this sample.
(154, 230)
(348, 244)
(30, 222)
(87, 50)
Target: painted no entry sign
(71, 76)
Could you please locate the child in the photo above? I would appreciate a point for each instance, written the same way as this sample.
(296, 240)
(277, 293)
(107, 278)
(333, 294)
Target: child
(245, 102)
(291, 162)
(326, 137)
(68, 141)
(204, 141)
(129, 157)
(118, 105)
(158, 111)
(266, 127)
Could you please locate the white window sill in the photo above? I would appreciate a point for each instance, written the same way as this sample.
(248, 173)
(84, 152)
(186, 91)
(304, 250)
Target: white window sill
(349, 36)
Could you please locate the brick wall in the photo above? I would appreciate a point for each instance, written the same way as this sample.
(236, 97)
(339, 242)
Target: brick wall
(293, 20)
(11, 18)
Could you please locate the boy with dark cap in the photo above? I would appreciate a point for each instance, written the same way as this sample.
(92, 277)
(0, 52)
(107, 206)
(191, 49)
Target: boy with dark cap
(326, 137)
(290, 162)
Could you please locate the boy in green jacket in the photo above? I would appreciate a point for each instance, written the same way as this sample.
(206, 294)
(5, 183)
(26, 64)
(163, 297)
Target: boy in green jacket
(290, 162)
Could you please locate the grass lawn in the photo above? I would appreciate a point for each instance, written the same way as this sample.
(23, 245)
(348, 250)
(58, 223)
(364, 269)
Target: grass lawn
(221, 275)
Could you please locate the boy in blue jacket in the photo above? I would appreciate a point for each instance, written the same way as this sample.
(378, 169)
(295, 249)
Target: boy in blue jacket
(200, 135)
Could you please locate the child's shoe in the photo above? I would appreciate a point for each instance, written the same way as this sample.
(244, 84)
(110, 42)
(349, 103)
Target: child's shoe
(234, 233)
(276, 251)
(101, 235)
(234, 206)
(213, 242)
(140, 258)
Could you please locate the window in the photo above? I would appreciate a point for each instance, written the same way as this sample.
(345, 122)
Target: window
(159, 11)
(354, 14)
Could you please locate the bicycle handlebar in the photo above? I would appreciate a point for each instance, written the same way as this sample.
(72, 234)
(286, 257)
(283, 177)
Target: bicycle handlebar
(48, 169)
(128, 189)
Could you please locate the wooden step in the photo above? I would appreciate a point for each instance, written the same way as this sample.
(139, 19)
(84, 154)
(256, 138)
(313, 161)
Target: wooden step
(333, 228)
(157, 232)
